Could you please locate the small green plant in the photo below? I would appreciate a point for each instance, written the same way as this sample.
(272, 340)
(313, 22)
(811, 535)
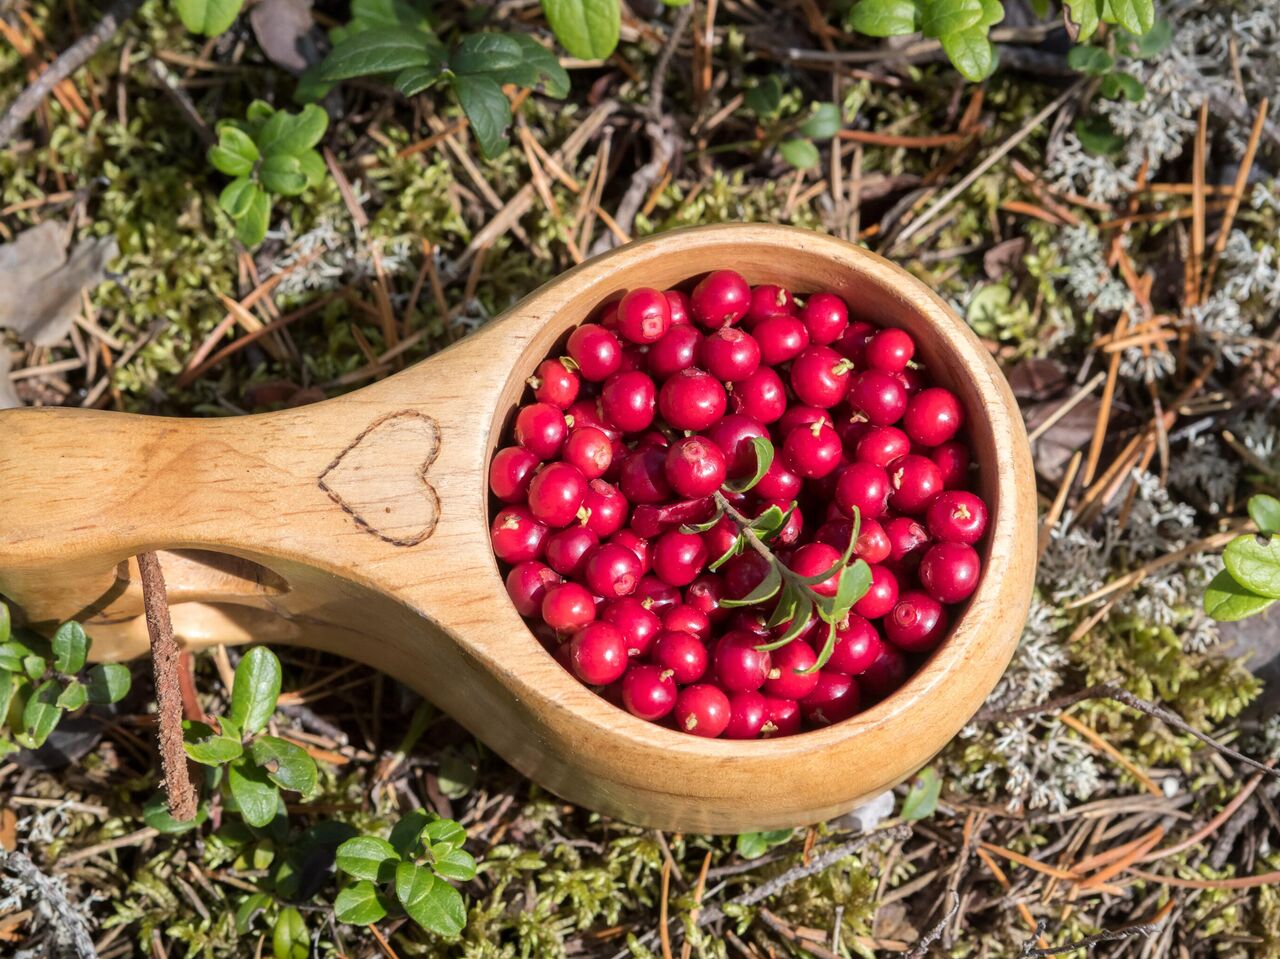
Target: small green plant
(793, 136)
(208, 17)
(409, 872)
(43, 680)
(922, 796)
(1094, 130)
(1250, 583)
(753, 845)
(271, 153)
(252, 767)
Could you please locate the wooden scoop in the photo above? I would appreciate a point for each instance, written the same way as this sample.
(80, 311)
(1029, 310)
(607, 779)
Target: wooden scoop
(360, 526)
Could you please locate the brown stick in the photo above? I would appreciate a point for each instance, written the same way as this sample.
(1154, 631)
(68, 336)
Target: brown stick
(164, 663)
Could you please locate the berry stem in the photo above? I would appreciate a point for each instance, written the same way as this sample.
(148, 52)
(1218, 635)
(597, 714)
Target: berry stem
(760, 546)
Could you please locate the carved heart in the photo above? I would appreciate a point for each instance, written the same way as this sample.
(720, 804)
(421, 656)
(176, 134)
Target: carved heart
(380, 480)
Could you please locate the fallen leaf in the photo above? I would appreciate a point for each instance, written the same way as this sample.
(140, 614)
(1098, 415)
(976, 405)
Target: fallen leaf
(286, 33)
(1052, 450)
(1036, 379)
(1004, 257)
(40, 286)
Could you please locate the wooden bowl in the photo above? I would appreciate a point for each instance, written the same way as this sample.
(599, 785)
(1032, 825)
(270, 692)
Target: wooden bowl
(360, 526)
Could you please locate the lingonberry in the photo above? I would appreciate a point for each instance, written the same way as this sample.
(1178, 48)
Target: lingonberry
(691, 400)
(853, 342)
(889, 350)
(566, 549)
(885, 675)
(912, 380)
(825, 316)
(779, 482)
(510, 472)
(791, 672)
(605, 508)
(761, 396)
(720, 538)
(678, 557)
(516, 535)
(644, 315)
(634, 542)
(933, 416)
(681, 310)
(596, 351)
(813, 559)
(873, 542)
(638, 624)
(541, 429)
(682, 654)
(738, 665)
(949, 572)
(812, 451)
(730, 355)
(794, 525)
(957, 516)
(702, 710)
(751, 623)
(634, 359)
(676, 351)
(527, 583)
(858, 643)
(720, 299)
(648, 691)
(627, 401)
(608, 316)
(555, 383)
(908, 541)
(687, 619)
(556, 493)
(863, 487)
(801, 415)
(747, 715)
(880, 595)
(953, 460)
(733, 434)
(782, 718)
(743, 573)
(916, 623)
(644, 476)
(820, 376)
(835, 697)
(914, 481)
(598, 654)
(878, 396)
(695, 466)
(612, 571)
(568, 607)
(589, 450)
(659, 595)
(768, 300)
(781, 339)
(586, 413)
(882, 445)
(704, 594)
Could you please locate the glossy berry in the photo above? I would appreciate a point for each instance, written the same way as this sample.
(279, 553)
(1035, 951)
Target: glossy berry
(743, 573)
(914, 481)
(767, 301)
(730, 355)
(957, 516)
(799, 415)
(680, 307)
(858, 644)
(659, 595)
(648, 692)
(885, 675)
(612, 571)
(541, 429)
(812, 451)
(813, 559)
(873, 542)
(702, 710)
(596, 351)
(720, 538)
(556, 493)
(880, 596)
(791, 672)
(692, 400)
(555, 383)
(878, 396)
(568, 607)
(682, 654)
(566, 549)
(634, 542)
(761, 396)
(835, 697)
(738, 665)
(510, 472)
(644, 315)
(644, 476)
(527, 584)
(627, 401)
(704, 595)
(516, 535)
(779, 482)
(882, 445)
(863, 487)
(733, 435)
(677, 350)
(782, 718)
(917, 622)
(933, 416)
(889, 350)
(678, 557)
(747, 715)
(953, 460)
(687, 619)
(949, 572)
(720, 299)
(590, 451)
(695, 466)
(908, 540)
(781, 339)
(586, 413)
(853, 342)
(597, 654)
(820, 376)
(825, 316)
(605, 508)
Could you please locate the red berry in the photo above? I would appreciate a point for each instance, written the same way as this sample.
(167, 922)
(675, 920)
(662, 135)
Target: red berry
(739, 666)
(566, 549)
(659, 595)
(953, 460)
(681, 310)
(678, 557)
(702, 710)
(781, 339)
(782, 718)
(778, 482)
(949, 572)
(596, 351)
(586, 413)
(760, 396)
(554, 383)
(510, 472)
(569, 607)
(644, 478)
(730, 355)
(863, 487)
(890, 350)
(747, 715)
(826, 317)
(873, 542)
(743, 573)
(880, 596)
(917, 623)
(814, 558)
(835, 698)
(634, 542)
(695, 466)
(598, 654)
(608, 316)
(813, 451)
(687, 619)
(769, 300)
(638, 624)
(648, 692)
(691, 400)
(682, 654)
(627, 401)
(912, 380)
(933, 416)
(914, 481)
(721, 537)
(794, 525)
(853, 341)
(820, 376)
(541, 429)
(612, 571)
(858, 643)
(885, 675)
(556, 493)
(957, 516)
(882, 445)
(791, 672)
(676, 351)
(589, 450)
(516, 536)
(907, 541)
(527, 583)
(878, 396)
(720, 299)
(704, 594)
(801, 415)
(644, 315)
(733, 434)
(606, 508)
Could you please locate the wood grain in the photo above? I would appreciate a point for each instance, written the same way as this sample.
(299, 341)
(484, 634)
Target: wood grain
(287, 528)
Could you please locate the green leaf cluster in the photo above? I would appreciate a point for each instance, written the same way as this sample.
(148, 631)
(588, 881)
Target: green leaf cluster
(408, 873)
(961, 26)
(588, 29)
(208, 17)
(43, 680)
(794, 136)
(753, 845)
(1250, 583)
(271, 153)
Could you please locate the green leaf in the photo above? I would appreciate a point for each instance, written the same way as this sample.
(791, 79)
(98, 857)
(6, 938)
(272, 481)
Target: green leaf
(6, 623)
(922, 797)
(704, 526)
(208, 747)
(1116, 85)
(1085, 15)
(255, 690)
(444, 832)
(457, 774)
(405, 833)
(1097, 135)
(771, 521)
(541, 66)
(766, 589)
(293, 133)
(786, 608)
(381, 50)
(823, 123)
(1254, 561)
(1136, 16)
(7, 747)
(413, 80)
(155, 813)
(283, 174)
(289, 937)
(765, 98)
(970, 52)
(413, 885)
(14, 654)
(487, 109)
(1150, 44)
(456, 864)
(369, 14)
(286, 764)
(588, 29)
(108, 683)
(1264, 510)
(235, 153)
(208, 17)
(753, 845)
(70, 648)
(1227, 601)
(8, 686)
(255, 795)
(764, 459)
(855, 580)
(252, 227)
(509, 58)
(800, 154)
(367, 857)
(735, 548)
(236, 197)
(828, 647)
(939, 18)
(35, 666)
(1094, 61)
(313, 168)
(360, 904)
(883, 18)
(992, 13)
(40, 715)
(252, 905)
(73, 696)
(430, 902)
